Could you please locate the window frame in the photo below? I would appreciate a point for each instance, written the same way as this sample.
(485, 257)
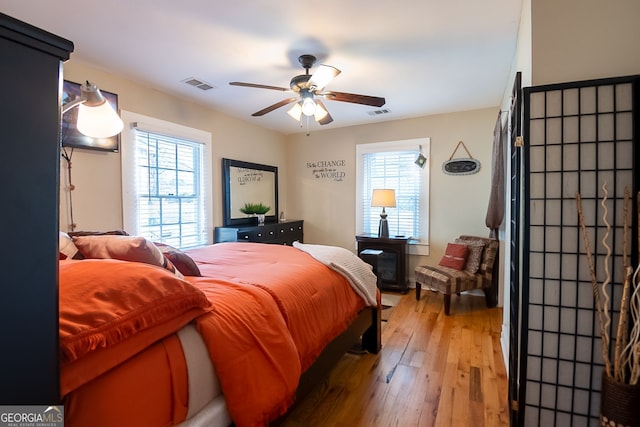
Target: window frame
(416, 246)
(128, 144)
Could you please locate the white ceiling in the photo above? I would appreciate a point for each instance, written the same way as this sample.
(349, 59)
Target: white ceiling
(424, 56)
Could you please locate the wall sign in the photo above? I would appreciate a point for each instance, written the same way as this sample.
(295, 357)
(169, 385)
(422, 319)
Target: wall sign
(461, 166)
(333, 170)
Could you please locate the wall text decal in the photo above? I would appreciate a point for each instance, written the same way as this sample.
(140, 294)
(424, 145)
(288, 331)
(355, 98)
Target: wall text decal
(247, 176)
(328, 169)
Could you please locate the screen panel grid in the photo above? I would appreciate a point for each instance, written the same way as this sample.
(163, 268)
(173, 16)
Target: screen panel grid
(579, 138)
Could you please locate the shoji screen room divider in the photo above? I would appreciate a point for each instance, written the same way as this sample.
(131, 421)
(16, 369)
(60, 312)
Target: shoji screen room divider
(577, 137)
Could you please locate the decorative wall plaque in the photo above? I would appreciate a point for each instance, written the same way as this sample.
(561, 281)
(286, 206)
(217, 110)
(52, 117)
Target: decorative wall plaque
(461, 165)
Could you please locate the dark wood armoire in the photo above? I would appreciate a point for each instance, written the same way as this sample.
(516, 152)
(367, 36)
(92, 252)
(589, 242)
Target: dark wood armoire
(30, 84)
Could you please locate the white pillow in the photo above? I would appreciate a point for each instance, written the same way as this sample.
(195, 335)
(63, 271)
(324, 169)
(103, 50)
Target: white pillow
(67, 248)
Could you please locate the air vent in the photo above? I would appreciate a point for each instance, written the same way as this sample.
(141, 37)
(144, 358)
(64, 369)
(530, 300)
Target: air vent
(378, 112)
(198, 83)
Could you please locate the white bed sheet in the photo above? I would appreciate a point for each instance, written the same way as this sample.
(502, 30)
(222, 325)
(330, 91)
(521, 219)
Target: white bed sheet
(207, 406)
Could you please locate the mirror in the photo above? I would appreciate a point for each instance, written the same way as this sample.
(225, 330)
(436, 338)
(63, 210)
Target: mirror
(248, 183)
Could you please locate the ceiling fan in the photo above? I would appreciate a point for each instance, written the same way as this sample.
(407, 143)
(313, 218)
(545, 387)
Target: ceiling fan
(309, 88)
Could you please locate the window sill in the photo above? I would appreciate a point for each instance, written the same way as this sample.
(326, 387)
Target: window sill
(416, 247)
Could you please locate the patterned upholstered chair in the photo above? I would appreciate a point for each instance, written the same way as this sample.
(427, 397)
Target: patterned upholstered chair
(449, 281)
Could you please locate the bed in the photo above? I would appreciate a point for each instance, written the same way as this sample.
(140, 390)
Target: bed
(245, 332)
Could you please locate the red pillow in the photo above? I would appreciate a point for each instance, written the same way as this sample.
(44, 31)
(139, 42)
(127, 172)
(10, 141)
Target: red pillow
(455, 256)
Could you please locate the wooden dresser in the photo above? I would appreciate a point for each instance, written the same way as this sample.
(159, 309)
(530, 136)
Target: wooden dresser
(280, 233)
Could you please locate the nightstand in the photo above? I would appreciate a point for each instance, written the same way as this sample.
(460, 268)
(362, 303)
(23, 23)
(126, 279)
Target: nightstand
(388, 256)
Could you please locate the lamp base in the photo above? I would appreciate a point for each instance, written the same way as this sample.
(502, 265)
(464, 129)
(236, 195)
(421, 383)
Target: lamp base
(383, 229)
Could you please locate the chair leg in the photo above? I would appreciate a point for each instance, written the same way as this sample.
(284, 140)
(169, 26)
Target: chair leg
(418, 289)
(489, 298)
(447, 304)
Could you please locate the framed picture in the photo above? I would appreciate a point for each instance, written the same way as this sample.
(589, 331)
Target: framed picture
(70, 136)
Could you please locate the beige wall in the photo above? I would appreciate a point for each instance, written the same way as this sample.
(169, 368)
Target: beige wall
(457, 204)
(97, 199)
(575, 40)
(327, 206)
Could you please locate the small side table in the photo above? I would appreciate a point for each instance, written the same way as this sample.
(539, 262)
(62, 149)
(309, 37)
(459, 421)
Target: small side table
(388, 258)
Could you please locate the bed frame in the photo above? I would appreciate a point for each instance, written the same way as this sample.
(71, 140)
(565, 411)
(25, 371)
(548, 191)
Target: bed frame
(365, 329)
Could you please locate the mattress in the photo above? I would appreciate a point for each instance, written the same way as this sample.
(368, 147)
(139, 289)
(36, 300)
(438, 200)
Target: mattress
(176, 379)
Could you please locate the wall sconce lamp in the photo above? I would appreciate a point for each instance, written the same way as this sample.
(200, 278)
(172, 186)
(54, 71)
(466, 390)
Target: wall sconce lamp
(96, 117)
(384, 198)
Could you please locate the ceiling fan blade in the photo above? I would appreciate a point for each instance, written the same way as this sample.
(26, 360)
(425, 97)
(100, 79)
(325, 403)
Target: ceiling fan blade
(274, 106)
(326, 119)
(323, 75)
(374, 101)
(258, 86)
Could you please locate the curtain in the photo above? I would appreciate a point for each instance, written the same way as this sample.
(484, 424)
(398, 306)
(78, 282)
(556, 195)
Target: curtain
(495, 210)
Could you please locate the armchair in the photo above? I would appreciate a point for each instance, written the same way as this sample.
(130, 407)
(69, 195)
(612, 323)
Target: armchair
(447, 280)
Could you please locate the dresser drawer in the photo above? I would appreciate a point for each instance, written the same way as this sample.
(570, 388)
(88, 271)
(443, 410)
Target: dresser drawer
(246, 236)
(289, 233)
(283, 233)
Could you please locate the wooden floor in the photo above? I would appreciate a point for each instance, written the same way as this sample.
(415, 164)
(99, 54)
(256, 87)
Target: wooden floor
(433, 370)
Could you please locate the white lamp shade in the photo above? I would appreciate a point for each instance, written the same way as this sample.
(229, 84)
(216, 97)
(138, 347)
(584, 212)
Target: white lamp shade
(295, 111)
(385, 198)
(323, 75)
(308, 106)
(320, 113)
(99, 121)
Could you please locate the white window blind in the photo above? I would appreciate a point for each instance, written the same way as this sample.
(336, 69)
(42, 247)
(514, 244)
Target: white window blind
(392, 165)
(166, 177)
(394, 170)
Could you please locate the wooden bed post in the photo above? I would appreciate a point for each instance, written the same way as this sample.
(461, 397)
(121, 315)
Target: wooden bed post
(371, 339)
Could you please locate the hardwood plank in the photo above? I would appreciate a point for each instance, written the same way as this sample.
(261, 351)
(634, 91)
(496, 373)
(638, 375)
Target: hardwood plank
(432, 370)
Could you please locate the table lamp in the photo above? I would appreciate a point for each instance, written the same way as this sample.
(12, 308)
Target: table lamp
(384, 198)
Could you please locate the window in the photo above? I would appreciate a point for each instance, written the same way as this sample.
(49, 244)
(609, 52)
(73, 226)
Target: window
(392, 165)
(166, 181)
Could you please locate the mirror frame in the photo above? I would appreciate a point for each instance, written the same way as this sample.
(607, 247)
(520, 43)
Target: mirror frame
(227, 164)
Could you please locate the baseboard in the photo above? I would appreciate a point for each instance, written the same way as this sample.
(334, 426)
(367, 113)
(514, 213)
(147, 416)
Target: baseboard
(504, 344)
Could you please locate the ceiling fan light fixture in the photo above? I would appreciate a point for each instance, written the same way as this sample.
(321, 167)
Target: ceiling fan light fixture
(308, 89)
(308, 106)
(295, 111)
(320, 113)
(323, 75)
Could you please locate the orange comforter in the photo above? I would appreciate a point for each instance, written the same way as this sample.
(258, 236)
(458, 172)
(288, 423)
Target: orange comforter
(316, 302)
(272, 312)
